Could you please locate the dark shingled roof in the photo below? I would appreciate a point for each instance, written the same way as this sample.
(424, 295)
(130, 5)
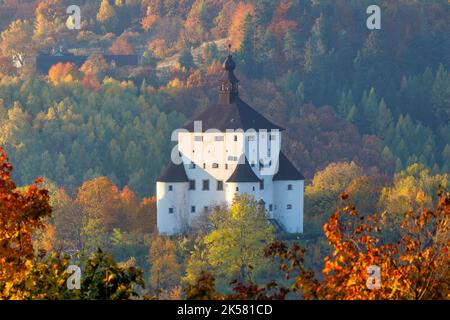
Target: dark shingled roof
(286, 170)
(173, 173)
(236, 115)
(243, 173)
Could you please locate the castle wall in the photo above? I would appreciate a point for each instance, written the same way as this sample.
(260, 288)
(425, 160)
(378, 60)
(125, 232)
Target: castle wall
(290, 219)
(207, 157)
(243, 187)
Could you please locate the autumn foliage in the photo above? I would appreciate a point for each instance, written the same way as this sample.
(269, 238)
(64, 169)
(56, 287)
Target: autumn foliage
(63, 73)
(148, 20)
(20, 215)
(121, 46)
(417, 267)
(414, 268)
(30, 273)
(237, 26)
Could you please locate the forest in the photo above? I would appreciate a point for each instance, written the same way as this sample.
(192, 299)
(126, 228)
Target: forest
(367, 118)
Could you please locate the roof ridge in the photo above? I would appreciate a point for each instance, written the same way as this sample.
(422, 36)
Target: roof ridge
(286, 170)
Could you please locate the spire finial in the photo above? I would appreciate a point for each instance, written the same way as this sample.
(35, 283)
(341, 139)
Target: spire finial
(229, 49)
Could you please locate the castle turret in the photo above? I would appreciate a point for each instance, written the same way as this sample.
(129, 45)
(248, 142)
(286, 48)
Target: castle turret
(288, 185)
(172, 199)
(242, 180)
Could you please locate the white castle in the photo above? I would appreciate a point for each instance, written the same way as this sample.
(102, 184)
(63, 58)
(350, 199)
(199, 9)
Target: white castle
(228, 150)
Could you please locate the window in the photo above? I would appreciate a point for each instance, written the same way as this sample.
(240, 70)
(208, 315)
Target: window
(198, 138)
(272, 137)
(253, 164)
(226, 166)
(289, 206)
(251, 138)
(218, 138)
(289, 186)
(204, 166)
(205, 184)
(170, 188)
(205, 208)
(192, 209)
(192, 165)
(261, 185)
(263, 165)
(235, 138)
(253, 188)
(191, 184)
(232, 158)
(215, 165)
(270, 207)
(219, 185)
(171, 210)
(237, 188)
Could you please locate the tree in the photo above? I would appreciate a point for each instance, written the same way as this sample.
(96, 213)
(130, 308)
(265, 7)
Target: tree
(210, 53)
(365, 192)
(197, 22)
(16, 41)
(186, 60)
(440, 95)
(412, 188)
(20, 215)
(238, 22)
(290, 47)
(235, 246)
(99, 201)
(417, 267)
(107, 280)
(102, 279)
(335, 177)
(346, 103)
(49, 27)
(63, 73)
(321, 197)
(308, 56)
(383, 119)
(280, 24)
(121, 46)
(150, 19)
(143, 218)
(247, 51)
(106, 12)
(165, 271)
(159, 47)
(95, 65)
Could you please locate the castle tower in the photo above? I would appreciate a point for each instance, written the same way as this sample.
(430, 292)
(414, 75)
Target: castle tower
(172, 200)
(229, 84)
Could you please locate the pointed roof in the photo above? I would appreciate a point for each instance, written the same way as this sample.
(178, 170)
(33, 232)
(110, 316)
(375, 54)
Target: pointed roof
(231, 112)
(286, 170)
(236, 115)
(243, 173)
(173, 173)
